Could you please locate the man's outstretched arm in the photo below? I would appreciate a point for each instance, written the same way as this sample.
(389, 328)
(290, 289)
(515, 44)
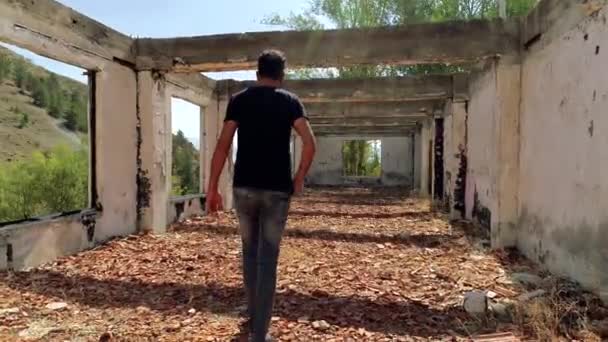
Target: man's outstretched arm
(214, 199)
(309, 147)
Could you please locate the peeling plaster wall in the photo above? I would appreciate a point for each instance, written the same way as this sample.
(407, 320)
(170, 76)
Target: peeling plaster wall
(397, 163)
(455, 157)
(493, 151)
(480, 197)
(564, 154)
(326, 168)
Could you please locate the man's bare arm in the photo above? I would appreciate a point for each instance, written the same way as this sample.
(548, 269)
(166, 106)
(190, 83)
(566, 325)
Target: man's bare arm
(220, 154)
(309, 147)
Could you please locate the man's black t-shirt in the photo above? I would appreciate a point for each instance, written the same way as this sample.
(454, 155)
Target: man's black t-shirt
(265, 116)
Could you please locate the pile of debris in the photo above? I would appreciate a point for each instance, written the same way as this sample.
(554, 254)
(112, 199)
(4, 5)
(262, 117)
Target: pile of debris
(545, 307)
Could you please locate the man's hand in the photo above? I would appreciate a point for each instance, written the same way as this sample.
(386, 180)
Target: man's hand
(214, 202)
(298, 186)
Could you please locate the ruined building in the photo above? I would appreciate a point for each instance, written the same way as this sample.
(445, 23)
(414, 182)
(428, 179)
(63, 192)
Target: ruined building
(519, 145)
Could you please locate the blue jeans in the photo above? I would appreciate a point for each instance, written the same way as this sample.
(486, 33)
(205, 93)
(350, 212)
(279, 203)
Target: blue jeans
(262, 216)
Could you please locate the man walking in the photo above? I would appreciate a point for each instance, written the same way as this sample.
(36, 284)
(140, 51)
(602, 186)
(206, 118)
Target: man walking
(264, 115)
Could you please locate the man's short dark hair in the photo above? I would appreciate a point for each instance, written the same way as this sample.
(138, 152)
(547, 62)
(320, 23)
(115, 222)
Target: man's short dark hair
(271, 64)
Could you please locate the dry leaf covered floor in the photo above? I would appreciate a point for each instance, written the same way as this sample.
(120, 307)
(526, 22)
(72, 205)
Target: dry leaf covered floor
(356, 265)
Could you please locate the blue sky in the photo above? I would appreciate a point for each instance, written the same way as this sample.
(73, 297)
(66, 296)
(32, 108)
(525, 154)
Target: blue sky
(170, 18)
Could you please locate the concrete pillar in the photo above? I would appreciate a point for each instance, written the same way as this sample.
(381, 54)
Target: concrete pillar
(454, 148)
(432, 158)
(155, 150)
(212, 126)
(425, 157)
(417, 158)
(502, 9)
(508, 96)
(202, 153)
(116, 153)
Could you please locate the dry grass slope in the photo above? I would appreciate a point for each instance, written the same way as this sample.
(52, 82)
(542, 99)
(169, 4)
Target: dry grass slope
(42, 132)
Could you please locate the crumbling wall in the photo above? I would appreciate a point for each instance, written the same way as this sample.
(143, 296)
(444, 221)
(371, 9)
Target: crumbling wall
(397, 163)
(480, 196)
(114, 213)
(455, 157)
(493, 150)
(31, 244)
(564, 153)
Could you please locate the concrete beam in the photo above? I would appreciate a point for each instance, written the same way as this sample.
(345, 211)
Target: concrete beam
(372, 109)
(395, 131)
(428, 43)
(398, 125)
(195, 88)
(389, 89)
(366, 121)
(53, 30)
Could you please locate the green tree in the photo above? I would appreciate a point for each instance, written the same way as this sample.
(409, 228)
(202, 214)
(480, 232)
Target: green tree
(25, 120)
(40, 92)
(71, 120)
(361, 158)
(21, 74)
(78, 105)
(363, 13)
(5, 67)
(31, 82)
(75, 114)
(59, 100)
(56, 181)
(66, 172)
(185, 165)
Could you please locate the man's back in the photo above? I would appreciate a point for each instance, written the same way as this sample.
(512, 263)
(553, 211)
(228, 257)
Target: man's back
(265, 116)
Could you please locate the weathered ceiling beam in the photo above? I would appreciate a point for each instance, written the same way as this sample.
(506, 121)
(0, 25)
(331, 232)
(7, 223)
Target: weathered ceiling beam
(361, 132)
(367, 121)
(194, 88)
(348, 110)
(388, 89)
(370, 126)
(427, 43)
(53, 30)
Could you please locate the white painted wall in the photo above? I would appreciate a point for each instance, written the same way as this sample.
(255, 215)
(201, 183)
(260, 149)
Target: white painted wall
(481, 166)
(563, 189)
(326, 168)
(397, 162)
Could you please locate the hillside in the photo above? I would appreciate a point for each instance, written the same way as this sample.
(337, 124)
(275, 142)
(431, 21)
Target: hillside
(46, 110)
